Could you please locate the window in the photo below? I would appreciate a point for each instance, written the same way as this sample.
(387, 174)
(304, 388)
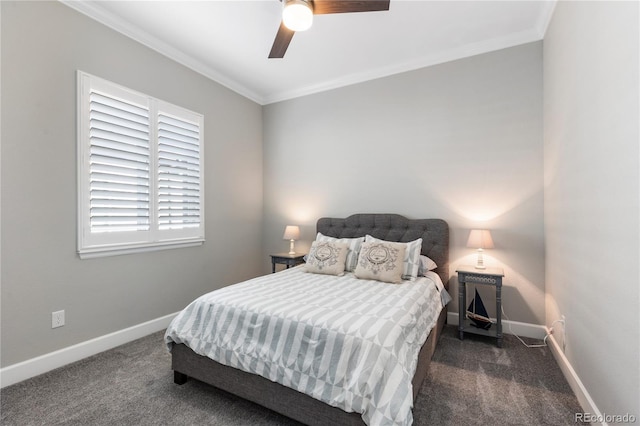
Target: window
(140, 171)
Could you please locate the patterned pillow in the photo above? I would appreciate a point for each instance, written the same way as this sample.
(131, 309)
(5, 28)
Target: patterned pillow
(381, 261)
(354, 249)
(327, 257)
(411, 261)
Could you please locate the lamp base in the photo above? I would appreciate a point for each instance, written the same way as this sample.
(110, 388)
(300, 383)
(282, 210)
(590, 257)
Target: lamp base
(480, 263)
(291, 248)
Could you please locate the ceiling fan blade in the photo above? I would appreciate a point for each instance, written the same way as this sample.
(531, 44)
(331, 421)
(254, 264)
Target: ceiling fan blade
(280, 44)
(323, 7)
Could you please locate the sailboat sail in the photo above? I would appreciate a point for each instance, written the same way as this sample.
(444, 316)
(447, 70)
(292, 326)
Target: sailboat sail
(477, 313)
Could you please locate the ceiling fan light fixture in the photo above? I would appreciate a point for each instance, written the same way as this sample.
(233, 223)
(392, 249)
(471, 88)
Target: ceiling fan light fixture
(297, 15)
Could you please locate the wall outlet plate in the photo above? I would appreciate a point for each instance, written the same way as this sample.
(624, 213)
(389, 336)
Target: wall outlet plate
(57, 319)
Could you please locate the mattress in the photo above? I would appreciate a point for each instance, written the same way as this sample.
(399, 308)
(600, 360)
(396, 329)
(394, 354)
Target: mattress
(348, 342)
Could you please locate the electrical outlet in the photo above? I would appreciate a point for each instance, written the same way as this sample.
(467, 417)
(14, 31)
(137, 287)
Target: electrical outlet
(57, 319)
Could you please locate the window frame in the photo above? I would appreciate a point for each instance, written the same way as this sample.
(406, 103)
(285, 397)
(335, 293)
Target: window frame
(98, 244)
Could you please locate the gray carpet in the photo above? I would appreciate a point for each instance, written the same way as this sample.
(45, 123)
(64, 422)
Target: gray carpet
(470, 382)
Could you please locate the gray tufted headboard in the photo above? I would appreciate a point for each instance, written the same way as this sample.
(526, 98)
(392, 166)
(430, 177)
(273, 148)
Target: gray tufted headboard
(393, 227)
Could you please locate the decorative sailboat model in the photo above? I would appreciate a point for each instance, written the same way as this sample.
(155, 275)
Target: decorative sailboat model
(477, 313)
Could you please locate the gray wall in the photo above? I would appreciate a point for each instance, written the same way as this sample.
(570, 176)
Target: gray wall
(43, 44)
(460, 141)
(591, 163)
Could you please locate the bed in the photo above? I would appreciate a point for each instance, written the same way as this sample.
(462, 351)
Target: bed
(189, 360)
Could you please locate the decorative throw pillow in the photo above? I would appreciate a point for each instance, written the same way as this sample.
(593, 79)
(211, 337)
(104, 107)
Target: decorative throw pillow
(354, 249)
(382, 261)
(327, 257)
(411, 261)
(426, 264)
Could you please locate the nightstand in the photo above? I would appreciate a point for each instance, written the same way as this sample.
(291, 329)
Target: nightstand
(286, 259)
(488, 276)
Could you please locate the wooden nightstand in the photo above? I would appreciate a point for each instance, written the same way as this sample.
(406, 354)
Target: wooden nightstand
(488, 276)
(286, 259)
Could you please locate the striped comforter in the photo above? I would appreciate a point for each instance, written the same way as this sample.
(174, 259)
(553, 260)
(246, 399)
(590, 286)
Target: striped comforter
(348, 342)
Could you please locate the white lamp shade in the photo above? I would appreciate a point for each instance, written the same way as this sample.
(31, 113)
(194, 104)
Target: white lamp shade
(291, 232)
(297, 15)
(480, 238)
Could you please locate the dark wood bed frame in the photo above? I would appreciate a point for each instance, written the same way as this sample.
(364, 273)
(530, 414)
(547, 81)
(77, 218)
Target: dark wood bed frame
(299, 406)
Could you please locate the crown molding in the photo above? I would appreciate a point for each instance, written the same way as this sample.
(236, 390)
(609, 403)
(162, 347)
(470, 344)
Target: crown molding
(94, 11)
(427, 61)
(97, 13)
(545, 17)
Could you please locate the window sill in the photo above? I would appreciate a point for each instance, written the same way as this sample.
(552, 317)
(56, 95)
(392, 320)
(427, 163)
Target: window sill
(91, 253)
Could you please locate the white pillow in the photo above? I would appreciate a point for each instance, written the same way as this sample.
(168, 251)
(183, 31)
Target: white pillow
(426, 264)
(327, 257)
(354, 249)
(381, 261)
(411, 257)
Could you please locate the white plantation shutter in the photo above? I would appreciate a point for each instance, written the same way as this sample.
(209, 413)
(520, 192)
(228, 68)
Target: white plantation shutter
(179, 189)
(140, 174)
(118, 165)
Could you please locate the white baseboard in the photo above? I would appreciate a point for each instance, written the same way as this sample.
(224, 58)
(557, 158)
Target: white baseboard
(30, 368)
(587, 404)
(523, 329)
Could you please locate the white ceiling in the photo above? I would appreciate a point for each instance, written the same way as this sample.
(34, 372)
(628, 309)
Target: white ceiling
(229, 40)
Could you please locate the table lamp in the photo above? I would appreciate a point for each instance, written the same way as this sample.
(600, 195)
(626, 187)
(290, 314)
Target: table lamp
(291, 233)
(480, 239)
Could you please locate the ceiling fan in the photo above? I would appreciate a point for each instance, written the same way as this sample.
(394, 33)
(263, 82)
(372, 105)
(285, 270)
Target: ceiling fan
(297, 15)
